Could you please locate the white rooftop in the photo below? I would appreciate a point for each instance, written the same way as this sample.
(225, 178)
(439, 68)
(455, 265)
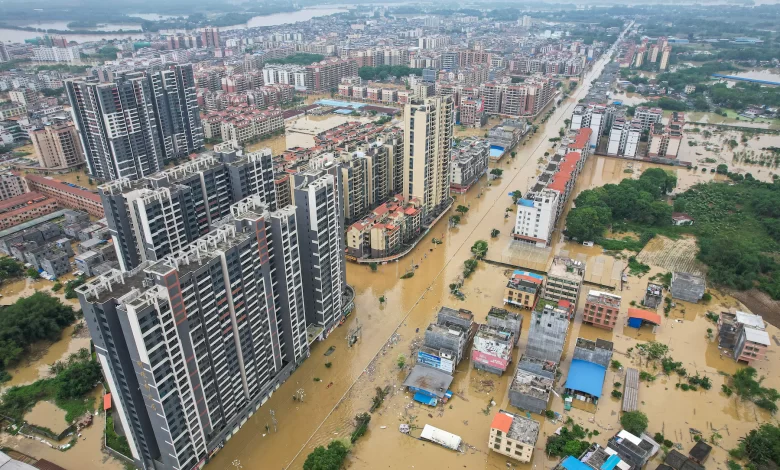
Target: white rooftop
(757, 336)
(751, 320)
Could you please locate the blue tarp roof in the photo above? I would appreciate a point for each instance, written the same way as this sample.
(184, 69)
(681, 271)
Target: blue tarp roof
(425, 399)
(610, 463)
(586, 377)
(570, 463)
(525, 202)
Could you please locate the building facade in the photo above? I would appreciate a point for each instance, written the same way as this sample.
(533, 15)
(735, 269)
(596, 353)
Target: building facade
(428, 135)
(58, 146)
(601, 309)
(194, 344)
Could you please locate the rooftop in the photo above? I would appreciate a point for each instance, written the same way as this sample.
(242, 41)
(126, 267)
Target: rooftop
(518, 428)
(604, 298)
(750, 319)
(430, 379)
(586, 377)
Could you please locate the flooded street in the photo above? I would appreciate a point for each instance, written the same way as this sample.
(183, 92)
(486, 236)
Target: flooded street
(391, 328)
(327, 412)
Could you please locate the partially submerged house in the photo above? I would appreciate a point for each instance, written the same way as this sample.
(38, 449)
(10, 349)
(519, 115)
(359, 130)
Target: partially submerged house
(687, 287)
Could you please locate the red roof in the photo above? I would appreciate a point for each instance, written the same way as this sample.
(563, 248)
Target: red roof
(582, 138)
(61, 186)
(646, 315)
(502, 422)
(106, 401)
(532, 279)
(564, 303)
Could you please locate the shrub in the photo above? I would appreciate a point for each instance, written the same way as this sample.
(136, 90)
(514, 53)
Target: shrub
(616, 394)
(634, 422)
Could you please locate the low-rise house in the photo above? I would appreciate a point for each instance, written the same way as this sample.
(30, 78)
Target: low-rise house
(601, 309)
(513, 436)
(523, 289)
(687, 287)
(564, 279)
(532, 384)
(502, 318)
(492, 349)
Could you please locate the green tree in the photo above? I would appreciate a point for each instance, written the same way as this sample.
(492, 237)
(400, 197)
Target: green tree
(497, 172)
(634, 422)
(479, 248)
(461, 209)
(762, 446)
(587, 223)
(33, 273)
(495, 233)
(454, 220)
(401, 361)
(327, 459)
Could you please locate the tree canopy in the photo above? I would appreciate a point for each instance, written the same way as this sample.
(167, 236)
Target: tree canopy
(634, 422)
(633, 200)
(327, 459)
(30, 319)
(382, 72)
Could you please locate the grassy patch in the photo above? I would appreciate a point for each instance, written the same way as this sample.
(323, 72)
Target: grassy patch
(114, 440)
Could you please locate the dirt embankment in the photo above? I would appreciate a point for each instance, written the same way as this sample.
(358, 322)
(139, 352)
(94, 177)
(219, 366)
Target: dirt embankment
(760, 303)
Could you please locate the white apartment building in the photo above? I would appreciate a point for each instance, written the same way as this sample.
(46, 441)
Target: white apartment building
(285, 74)
(536, 218)
(57, 54)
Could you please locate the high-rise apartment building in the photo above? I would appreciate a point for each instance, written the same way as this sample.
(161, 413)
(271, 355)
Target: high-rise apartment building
(209, 37)
(176, 108)
(58, 145)
(428, 126)
(193, 344)
(158, 215)
(320, 217)
(665, 57)
(132, 126)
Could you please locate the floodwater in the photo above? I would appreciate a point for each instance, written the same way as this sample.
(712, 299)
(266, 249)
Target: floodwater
(47, 414)
(410, 304)
(86, 453)
(44, 354)
(746, 157)
(305, 14)
(391, 329)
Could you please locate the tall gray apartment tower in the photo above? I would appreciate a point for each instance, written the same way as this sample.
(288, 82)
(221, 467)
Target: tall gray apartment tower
(132, 126)
(193, 345)
(318, 202)
(160, 214)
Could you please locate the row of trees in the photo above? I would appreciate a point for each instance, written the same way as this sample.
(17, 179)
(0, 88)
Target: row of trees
(632, 200)
(301, 58)
(382, 72)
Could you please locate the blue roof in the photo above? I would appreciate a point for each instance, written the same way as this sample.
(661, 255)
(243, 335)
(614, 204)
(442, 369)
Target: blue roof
(526, 273)
(586, 377)
(570, 463)
(525, 202)
(425, 399)
(611, 462)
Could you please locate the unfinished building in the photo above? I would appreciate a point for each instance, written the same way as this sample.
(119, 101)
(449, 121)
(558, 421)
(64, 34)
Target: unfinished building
(451, 332)
(547, 334)
(653, 295)
(532, 384)
(502, 318)
(492, 349)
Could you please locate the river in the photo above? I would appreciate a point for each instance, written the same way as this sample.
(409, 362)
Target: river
(304, 14)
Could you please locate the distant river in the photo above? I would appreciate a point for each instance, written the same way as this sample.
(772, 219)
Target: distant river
(306, 14)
